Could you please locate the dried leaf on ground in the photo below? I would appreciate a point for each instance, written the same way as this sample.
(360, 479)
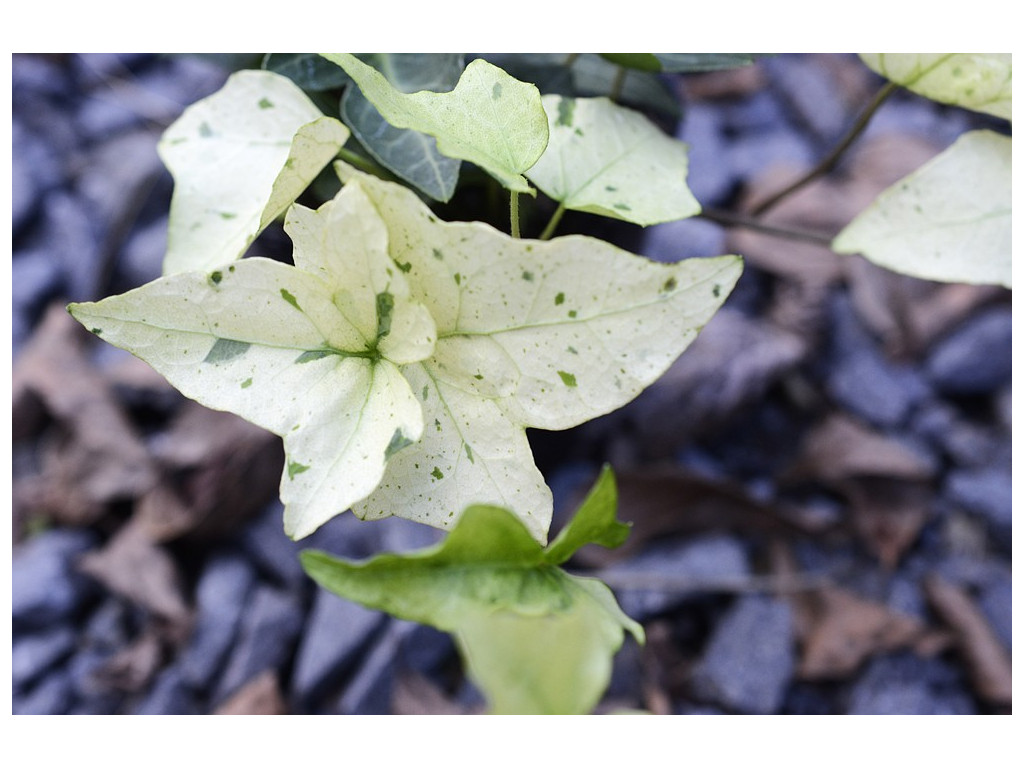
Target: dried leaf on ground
(733, 361)
(260, 696)
(886, 484)
(908, 313)
(670, 501)
(839, 630)
(988, 661)
(132, 566)
(888, 515)
(840, 448)
(218, 470)
(99, 457)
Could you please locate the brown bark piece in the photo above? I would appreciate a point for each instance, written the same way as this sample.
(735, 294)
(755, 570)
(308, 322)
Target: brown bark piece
(839, 630)
(988, 661)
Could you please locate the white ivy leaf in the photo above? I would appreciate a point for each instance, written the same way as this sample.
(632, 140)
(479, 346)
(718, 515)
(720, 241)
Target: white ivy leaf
(530, 334)
(979, 81)
(489, 118)
(950, 220)
(606, 159)
(311, 354)
(239, 158)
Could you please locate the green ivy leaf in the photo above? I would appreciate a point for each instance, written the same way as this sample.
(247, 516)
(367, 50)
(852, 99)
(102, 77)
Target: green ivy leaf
(409, 154)
(979, 81)
(949, 220)
(535, 639)
(309, 71)
(612, 161)
(490, 118)
(311, 353)
(239, 158)
(680, 62)
(530, 334)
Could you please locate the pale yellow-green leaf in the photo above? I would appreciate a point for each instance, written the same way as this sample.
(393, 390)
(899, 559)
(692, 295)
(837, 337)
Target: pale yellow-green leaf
(239, 158)
(609, 160)
(950, 220)
(535, 639)
(979, 81)
(530, 334)
(489, 118)
(293, 351)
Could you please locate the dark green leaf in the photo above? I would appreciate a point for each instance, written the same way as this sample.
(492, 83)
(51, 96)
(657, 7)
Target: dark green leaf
(409, 154)
(309, 71)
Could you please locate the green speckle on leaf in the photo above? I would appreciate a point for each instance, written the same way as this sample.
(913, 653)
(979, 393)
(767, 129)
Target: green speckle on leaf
(560, 298)
(226, 349)
(295, 468)
(572, 350)
(405, 267)
(437, 473)
(266, 103)
(670, 285)
(469, 453)
(227, 215)
(385, 306)
(565, 109)
(437, 425)
(290, 299)
(572, 313)
(609, 188)
(478, 376)
(97, 331)
(621, 207)
(496, 91)
(216, 277)
(205, 130)
(247, 383)
(458, 278)
(527, 275)
(438, 255)
(312, 354)
(567, 378)
(398, 442)
(425, 393)
(716, 291)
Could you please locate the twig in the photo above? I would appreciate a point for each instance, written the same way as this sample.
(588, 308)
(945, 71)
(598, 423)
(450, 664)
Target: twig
(827, 163)
(729, 219)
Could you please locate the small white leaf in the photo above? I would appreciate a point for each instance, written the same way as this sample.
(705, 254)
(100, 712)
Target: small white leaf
(949, 220)
(606, 159)
(979, 81)
(239, 158)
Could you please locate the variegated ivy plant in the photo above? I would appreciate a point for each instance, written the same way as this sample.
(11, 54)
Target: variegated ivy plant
(401, 357)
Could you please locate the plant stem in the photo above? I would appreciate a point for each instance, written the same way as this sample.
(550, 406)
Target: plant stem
(729, 219)
(364, 164)
(620, 80)
(826, 164)
(514, 213)
(556, 217)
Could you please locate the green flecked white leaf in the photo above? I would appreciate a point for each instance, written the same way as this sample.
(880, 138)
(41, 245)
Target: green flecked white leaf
(530, 334)
(239, 158)
(535, 639)
(409, 154)
(950, 220)
(979, 81)
(295, 351)
(489, 118)
(612, 161)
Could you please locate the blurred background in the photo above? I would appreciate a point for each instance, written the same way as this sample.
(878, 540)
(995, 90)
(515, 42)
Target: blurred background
(820, 487)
